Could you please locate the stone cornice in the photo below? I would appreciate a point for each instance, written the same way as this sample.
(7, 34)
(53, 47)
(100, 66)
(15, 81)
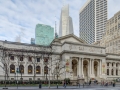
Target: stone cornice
(107, 58)
(25, 44)
(74, 43)
(56, 53)
(83, 53)
(55, 44)
(112, 54)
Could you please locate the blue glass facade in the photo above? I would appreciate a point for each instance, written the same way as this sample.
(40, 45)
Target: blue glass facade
(44, 34)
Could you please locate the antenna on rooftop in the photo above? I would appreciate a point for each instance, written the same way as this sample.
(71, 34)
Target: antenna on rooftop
(55, 27)
(56, 36)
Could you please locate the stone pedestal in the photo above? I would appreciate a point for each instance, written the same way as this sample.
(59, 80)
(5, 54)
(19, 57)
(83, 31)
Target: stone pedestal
(81, 81)
(92, 76)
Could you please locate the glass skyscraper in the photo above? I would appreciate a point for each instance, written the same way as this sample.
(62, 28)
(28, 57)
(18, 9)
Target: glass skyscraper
(66, 25)
(44, 34)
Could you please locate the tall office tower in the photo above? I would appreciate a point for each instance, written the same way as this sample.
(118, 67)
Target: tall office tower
(44, 34)
(32, 40)
(92, 20)
(66, 25)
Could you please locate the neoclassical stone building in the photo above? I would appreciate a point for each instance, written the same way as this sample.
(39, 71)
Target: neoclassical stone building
(66, 57)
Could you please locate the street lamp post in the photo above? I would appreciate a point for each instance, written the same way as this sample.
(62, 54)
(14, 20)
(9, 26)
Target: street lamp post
(65, 75)
(15, 77)
(49, 77)
(57, 81)
(57, 72)
(5, 74)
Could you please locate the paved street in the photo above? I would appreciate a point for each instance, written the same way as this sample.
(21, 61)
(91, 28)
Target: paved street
(67, 88)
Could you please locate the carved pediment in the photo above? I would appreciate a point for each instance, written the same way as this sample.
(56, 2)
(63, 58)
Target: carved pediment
(68, 38)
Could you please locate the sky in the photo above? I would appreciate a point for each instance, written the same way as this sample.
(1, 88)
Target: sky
(18, 18)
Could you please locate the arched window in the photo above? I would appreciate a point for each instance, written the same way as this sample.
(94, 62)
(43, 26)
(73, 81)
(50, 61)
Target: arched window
(116, 71)
(107, 71)
(46, 70)
(30, 69)
(21, 68)
(12, 68)
(112, 72)
(38, 70)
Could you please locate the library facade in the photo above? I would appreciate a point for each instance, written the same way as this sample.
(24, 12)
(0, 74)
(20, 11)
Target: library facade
(66, 57)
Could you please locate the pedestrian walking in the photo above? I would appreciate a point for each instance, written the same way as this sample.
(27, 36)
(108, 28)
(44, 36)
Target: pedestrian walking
(79, 85)
(90, 82)
(103, 83)
(64, 84)
(114, 84)
(40, 84)
(83, 85)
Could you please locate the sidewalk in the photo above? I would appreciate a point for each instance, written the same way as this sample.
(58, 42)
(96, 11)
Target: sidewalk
(61, 87)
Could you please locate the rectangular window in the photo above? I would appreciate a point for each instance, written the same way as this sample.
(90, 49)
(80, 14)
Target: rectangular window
(38, 78)
(12, 78)
(38, 59)
(12, 57)
(119, 26)
(115, 19)
(115, 27)
(21, 78)
(21, 58)
(30, 79)
(30, 59)
(118, 17)
(46, 59)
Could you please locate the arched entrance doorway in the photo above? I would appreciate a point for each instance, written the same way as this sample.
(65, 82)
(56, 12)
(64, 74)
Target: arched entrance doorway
(95, 68)
(74, 67)
(85, 69)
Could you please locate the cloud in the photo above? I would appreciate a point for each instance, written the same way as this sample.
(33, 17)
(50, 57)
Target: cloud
(113, 7)
(25, 14)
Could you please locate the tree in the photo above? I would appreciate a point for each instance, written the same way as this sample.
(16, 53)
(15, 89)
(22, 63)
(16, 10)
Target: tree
(5, 61)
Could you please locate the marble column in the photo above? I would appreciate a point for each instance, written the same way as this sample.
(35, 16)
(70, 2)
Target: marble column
(42, 70)
(114, 69)
(115, 72)
(70, 63)
(118, 69)
(110, 69)
(100, 67)
(82, 67)
(98, 70)
(79, 67)
(90, 67)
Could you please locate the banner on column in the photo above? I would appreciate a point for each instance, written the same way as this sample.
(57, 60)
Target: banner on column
(67, 65)
(103, 68)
